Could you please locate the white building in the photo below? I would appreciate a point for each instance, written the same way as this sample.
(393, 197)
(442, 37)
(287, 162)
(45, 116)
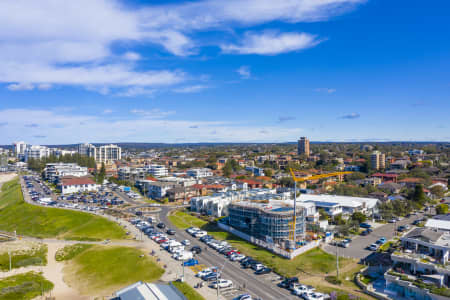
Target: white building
(19, 149)
(157, 170)
(341, 204)
(149, 291)
(36, 152)
(217, 204)
(157, 189)
(101, 154)
(199, 173)
(55, 171)
(70, 185)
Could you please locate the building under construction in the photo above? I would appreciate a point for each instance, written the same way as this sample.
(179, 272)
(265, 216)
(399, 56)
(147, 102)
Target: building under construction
(271, 221)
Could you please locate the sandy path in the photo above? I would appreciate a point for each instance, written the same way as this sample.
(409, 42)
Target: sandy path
(53, 272)
(6, 177)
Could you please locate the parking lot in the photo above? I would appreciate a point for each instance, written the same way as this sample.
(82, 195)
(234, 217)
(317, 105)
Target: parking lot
(358, 248)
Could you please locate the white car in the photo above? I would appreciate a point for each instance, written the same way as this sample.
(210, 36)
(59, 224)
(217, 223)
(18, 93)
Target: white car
(237, 257)
(315, 296)
(300, 289)
(373, 247)
(258, 267)
(205, 272)
(186, 242)
(200, 234)
(222, 283)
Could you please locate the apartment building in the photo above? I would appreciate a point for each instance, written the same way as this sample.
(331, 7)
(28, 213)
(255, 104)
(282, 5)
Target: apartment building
(19, 149)
(53, 172)
(101, 154)
(377, 160)
(157, 170)
(36, 152)
(303, 146)
(271, 221)
(199, 173)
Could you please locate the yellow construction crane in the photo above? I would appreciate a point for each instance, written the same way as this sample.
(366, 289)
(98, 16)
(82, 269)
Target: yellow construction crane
(292, 234)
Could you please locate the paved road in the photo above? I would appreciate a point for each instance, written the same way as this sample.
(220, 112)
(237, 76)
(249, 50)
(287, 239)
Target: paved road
(357, 248)
(260, 286)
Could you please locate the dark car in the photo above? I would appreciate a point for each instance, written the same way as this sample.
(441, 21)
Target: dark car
(416, 222)
(161, 225)
(286, 283)
(196, 249)
(211, 276)
(365, 225)
(171, 232)
(263, 271)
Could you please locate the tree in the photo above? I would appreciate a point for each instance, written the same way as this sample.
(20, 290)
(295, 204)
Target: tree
(323, 214)
(227, 170)
(268, 172)
(442, 209)
(437, 191)
(418, 195)
(101, 175)
(359, 217)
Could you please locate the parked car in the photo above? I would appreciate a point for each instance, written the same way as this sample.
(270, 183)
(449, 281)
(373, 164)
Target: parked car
(244, 297)
(212, 276)
(206, 271)
(285, 283)
(186, 242)
(374, 247)
(161, 225)
(171, 232)
(365, 225)
(263, 271)
(191, 262)
(221, 283)
(196, 250)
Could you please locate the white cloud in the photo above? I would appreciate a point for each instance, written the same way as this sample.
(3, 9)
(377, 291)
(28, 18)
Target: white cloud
(271, 43)
(50, 42)
(244, 71)
(144, 126)
(132, 56)
(107, 111)
(20, 87)
(191, 89)
(325, 90)
(155, 113)
(136, 91)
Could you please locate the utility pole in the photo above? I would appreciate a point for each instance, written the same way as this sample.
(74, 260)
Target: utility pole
(337, 263)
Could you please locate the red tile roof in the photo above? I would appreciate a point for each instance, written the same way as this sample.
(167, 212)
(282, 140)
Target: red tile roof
(386, 175)
(66, 181)
(411, 180)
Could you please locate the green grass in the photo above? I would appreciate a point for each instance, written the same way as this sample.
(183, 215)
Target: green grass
(315, 261)
(24, 286)
(106, 268)
(184, 220)
(46, 222)
(69, 252)
(187, 291)
(22, 258)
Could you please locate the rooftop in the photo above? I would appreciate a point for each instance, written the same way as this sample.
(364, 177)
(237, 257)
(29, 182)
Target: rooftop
(67, 181)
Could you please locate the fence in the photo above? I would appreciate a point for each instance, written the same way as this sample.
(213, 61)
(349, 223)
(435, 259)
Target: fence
(270, 246)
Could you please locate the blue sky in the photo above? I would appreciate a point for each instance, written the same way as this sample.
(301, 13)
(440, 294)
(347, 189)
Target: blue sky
(224, 71)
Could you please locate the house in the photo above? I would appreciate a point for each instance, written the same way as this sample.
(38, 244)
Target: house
(179, 193)
(391, 187)
(410, 182)
(440, 222)
(400, 164)
(386, 176)
(157, 189)
(70, 185)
